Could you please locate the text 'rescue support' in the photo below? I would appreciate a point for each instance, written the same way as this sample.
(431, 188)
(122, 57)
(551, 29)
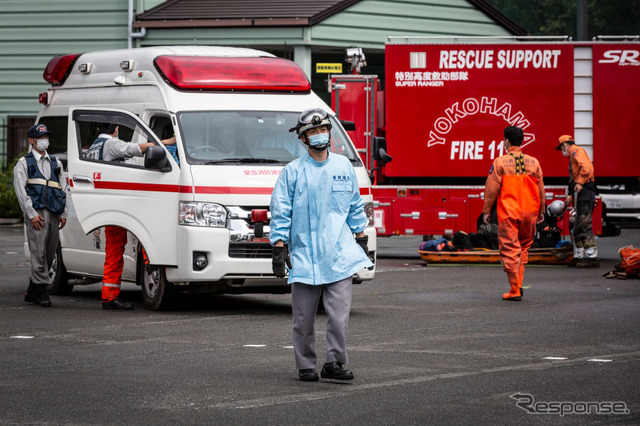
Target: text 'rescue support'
(486, 59)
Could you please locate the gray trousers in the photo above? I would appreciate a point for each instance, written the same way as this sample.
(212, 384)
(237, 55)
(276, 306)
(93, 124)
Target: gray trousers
(42, 245)
(337, 304)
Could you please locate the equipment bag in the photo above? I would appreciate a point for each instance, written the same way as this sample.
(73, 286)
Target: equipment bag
(630, 260)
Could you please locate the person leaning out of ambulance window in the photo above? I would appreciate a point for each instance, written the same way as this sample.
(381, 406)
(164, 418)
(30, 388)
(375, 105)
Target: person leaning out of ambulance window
(581, 186)
(39, 189)
(316, 209)
(107, 147)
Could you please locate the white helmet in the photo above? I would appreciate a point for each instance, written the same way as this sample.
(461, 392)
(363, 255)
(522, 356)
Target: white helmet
(556, 208)
(311, 118)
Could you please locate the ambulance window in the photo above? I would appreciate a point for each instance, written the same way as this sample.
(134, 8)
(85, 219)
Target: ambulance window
(58, 139)
(162, 127)
(94, 129)
(260, 137)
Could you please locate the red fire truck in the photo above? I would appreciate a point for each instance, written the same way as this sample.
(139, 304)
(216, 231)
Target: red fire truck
(446, 103)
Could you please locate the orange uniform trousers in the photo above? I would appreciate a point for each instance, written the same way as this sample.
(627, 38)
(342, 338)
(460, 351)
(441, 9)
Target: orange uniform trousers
(116, 239)
(518, 209)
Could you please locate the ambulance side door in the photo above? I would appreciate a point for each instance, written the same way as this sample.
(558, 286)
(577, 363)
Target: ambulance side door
(143, 200)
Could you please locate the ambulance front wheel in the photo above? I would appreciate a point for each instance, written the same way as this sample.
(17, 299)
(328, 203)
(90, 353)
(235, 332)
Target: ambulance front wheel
(58, 278)
(157, 292)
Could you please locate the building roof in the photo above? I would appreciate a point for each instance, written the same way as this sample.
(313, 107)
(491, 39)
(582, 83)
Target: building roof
(257, 13)
(240, 13)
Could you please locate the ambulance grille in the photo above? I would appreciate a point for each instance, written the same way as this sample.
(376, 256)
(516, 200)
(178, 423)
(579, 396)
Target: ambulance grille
(250, 250)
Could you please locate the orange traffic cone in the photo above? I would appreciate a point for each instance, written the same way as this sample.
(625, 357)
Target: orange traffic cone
(514, 293)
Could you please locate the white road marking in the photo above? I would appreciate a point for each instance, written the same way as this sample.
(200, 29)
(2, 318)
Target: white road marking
(22, 337)
(354, 387)
(254, 346)
(555, 357)
(11, 252)
(599, 360)
(287, 347)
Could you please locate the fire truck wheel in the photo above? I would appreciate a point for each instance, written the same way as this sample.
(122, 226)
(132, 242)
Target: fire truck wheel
(58, 277)
(158, 293)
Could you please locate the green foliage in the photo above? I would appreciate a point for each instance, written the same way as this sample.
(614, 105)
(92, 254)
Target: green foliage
(9, 206)
(558, 17)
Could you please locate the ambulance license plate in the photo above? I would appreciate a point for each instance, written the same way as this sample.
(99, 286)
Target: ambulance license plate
(614, 204)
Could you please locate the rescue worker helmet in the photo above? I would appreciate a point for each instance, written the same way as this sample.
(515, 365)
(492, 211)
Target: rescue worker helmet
(311, 118)
(556, 208)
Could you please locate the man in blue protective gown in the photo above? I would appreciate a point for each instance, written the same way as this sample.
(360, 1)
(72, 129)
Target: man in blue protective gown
(316, 209)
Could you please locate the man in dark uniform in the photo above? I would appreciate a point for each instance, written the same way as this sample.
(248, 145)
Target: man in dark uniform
(38, 187)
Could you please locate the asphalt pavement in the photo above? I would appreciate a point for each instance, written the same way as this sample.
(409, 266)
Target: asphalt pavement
(428, 345)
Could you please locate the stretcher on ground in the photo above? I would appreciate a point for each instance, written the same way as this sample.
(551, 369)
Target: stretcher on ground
(537, 256)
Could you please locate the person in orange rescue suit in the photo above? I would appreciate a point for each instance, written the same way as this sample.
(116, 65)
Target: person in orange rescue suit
(40, 192)
(107, 147)
(515, 182)
(581, 186)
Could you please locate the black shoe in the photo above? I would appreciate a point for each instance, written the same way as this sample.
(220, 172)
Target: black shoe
(31, 295)
(334, 370)
(588, 262)
(308, 375)
(44, 301)
(573, 263)
(116, 304)
(42, 298)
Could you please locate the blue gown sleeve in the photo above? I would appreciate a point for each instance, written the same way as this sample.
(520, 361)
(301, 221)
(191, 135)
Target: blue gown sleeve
(281, 207)
(356, 219)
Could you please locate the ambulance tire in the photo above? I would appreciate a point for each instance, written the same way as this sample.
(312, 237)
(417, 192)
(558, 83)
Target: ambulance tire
(157, 293)
(58, 277)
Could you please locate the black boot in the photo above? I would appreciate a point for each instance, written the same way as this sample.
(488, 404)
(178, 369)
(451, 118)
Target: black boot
(334, 370)
(43, 297)
(31, 295)
(116, 304)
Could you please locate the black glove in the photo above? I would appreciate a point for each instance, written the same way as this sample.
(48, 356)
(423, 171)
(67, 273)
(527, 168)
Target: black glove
(362, 242)
(279, 259)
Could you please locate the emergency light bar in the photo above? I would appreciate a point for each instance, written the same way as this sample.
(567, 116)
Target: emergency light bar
(59, 68)
(252, 74)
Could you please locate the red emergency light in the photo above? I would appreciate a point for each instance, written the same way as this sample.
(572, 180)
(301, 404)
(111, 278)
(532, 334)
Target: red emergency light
(253, 74)
(259, 215)
(59, 68)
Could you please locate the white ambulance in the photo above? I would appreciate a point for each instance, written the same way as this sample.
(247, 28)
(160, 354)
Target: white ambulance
(197, 209)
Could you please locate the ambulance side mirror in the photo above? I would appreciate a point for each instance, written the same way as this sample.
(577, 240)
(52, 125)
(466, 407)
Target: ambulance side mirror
(348, 125)
(156, 158)
(380, 151)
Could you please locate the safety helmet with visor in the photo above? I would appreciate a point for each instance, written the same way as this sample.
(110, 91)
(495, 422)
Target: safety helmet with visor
(311, 118)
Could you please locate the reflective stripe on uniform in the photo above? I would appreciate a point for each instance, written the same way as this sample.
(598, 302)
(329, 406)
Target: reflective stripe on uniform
(38, 181)
(111, 285)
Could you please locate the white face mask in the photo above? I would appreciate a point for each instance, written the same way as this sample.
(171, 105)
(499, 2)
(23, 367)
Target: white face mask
(42, 144)
(565, 150)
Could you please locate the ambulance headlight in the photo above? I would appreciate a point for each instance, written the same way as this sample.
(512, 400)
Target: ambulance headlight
(368, 210)
(202, 214)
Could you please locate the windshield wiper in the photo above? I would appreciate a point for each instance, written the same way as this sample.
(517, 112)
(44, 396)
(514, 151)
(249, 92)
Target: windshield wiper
(244, 160)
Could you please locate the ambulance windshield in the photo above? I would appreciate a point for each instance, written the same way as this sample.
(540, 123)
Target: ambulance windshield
(212, 137)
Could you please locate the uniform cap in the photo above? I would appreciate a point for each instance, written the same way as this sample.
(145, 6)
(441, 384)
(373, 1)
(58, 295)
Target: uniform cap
(562, 139)
(38, 130)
